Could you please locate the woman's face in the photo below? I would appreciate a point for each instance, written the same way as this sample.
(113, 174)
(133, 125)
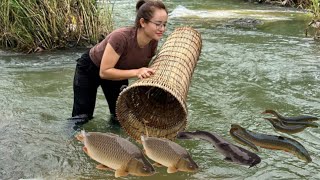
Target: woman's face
(156, 26)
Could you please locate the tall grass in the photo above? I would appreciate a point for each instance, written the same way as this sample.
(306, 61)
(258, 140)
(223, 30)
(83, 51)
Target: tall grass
(51, 24)
(315, 9)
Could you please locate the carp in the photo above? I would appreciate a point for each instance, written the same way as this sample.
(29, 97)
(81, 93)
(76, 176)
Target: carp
(169, 154)
(115, 153)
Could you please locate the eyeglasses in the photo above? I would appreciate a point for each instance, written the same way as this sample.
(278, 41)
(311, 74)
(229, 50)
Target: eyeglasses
(158, 25)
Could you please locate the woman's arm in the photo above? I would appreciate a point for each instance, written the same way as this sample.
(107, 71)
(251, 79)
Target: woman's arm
(110, 59)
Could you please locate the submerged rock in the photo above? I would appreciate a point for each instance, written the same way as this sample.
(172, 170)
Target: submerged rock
(245, 22)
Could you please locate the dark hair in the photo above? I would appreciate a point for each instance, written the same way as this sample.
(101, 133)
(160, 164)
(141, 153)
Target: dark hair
(146, 8)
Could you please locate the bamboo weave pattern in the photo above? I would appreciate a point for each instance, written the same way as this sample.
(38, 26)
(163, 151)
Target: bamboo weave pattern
(158, 104)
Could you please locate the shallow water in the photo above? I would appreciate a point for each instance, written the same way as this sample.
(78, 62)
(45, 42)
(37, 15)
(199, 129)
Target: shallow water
(241, 72)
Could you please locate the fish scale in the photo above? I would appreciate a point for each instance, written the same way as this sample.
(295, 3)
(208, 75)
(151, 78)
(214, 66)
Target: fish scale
(116, 153)
(167, 152)
(109, 149)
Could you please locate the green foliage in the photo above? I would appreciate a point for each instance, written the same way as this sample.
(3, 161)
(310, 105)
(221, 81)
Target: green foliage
(315, 9)
(51, 24)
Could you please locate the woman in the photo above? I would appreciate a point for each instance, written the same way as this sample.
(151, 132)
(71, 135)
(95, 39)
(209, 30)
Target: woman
(125, 53)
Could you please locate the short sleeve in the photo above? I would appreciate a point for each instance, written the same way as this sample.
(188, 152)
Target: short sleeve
(154, 46)
(118, 42)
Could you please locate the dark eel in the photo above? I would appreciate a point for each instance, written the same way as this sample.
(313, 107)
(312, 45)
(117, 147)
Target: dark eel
(296, 118)
(290, 127)
(250, 138)
(232, 153)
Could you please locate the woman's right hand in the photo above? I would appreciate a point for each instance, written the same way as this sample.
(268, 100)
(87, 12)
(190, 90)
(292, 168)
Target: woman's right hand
(145, 72)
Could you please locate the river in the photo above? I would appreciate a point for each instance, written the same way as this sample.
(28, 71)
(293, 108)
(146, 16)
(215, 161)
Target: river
(242, 71)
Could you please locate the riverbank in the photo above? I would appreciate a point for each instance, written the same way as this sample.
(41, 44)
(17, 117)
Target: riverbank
(301, 4)
(35, 26)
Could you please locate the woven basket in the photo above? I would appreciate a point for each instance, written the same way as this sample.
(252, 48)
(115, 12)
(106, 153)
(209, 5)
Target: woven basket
(158, 103)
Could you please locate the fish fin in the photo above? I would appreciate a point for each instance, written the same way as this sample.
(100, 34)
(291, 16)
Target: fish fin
(103, 167)
(172, 169)
(121, 172)
(139, 141)
(85, 149)
(157, 164)
(80, 137)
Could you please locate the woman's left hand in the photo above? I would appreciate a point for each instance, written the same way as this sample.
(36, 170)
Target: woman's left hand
(144, 72)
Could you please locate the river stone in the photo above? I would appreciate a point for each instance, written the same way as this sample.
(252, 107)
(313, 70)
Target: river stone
(244, 22)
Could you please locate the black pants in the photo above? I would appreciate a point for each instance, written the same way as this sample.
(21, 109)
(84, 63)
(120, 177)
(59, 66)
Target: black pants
(85, 85)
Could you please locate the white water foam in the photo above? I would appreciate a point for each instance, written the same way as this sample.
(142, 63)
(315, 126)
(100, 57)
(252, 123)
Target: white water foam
(181, 11)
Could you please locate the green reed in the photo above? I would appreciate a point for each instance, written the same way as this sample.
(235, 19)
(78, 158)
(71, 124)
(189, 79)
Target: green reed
(52, 24)
(315, 9)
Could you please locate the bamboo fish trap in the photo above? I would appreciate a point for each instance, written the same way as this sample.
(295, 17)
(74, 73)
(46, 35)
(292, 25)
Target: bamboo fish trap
(158, 104)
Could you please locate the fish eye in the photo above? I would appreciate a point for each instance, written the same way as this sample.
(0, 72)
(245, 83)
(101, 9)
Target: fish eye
(193, 166)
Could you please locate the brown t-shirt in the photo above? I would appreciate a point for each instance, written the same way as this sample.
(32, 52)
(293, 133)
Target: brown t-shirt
(124, 42)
